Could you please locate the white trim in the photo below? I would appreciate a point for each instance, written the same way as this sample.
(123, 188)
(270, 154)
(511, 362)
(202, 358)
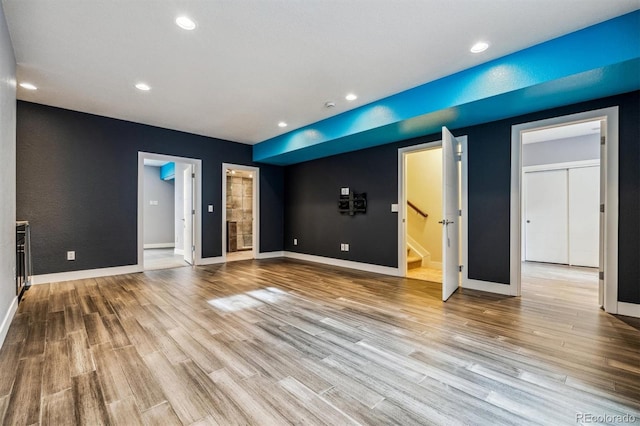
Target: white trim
(368, 267)
(84, 274)
(255, 250)
(159, 245)
(629, 309)
(212, 260)
(611, 198)
(270, 255)
(402, 201)
(197, 169)
(487, 286)
(560, 166)
(179, 252)
(6, 321)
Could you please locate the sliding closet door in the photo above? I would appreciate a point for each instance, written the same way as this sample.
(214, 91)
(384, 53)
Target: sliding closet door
(546, 228)
(584, 216)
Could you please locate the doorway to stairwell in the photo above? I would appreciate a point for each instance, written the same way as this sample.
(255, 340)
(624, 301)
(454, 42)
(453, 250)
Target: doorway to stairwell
(423, 233)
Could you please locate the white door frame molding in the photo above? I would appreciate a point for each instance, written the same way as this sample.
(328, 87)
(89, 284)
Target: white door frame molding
(197, 168)
(256, 207)
(611, 198)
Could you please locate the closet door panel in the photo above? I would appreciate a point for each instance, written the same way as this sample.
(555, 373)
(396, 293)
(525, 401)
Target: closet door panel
(584, 216)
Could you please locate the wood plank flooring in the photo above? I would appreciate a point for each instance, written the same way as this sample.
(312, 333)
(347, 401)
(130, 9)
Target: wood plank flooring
(279, 341)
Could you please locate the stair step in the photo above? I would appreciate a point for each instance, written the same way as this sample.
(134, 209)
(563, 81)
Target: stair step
(414, 262)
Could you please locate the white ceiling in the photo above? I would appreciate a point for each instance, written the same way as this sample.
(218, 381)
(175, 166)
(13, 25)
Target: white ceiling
(252, 63)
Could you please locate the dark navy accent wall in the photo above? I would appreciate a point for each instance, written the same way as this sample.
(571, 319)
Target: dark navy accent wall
(312, 189)
(77, 184)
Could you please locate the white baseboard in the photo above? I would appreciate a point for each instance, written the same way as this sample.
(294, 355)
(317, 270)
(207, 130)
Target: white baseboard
(6, 321)
(487, 286)
(435, 265)
(629, 309)
(159, 245)
(270, 255)
(211, 260)
(179, 252)
(368, 267)
(84, 274)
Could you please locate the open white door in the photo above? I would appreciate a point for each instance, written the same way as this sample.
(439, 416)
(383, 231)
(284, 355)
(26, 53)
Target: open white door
(188, 215)
(450, 219)
(603, 197)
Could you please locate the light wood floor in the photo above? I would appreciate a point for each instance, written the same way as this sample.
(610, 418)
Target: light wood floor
(163, 258)
(285, 342)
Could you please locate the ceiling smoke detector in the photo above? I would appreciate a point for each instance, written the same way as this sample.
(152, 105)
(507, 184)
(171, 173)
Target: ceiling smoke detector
(329, 104)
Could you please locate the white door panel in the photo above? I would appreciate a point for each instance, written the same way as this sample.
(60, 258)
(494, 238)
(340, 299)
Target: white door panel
(188, 206)
(546, 204)
(450, 219)
(584, 216)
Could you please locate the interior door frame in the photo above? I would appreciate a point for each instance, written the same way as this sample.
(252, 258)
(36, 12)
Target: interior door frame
(197, 202)
(610, 165)
(402, 202)
(256, 207)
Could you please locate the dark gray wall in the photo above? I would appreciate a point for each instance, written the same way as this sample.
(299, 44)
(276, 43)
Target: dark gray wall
(312, 189)
(77, 184)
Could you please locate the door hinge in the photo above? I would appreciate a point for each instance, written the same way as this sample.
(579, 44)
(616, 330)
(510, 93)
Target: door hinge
(601, 275)
(460, 213)
(601, 208)
(193, 212)
(193, 249)
(459, 268)
(193, 175)
(603, 140)
(458, 156)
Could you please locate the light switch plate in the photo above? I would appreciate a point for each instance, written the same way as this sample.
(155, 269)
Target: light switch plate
(346, 247)
(295, 241)
(210, 207)
(71, 255)
(344, 191)
(394, 208)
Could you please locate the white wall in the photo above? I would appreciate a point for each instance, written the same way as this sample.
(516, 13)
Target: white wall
(424, 189)
(7, 178)
(565, 150)
(158, 219)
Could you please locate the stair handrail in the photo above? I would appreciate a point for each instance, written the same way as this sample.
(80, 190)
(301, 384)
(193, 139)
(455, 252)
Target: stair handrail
(417, 209)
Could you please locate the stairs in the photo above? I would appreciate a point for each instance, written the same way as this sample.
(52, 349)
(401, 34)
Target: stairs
(413, 260)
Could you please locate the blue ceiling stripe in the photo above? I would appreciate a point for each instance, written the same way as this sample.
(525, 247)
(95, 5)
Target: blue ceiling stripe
(594, 62)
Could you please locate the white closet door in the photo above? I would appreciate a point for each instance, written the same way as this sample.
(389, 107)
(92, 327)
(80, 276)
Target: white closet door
(584, 216)
(546, 204)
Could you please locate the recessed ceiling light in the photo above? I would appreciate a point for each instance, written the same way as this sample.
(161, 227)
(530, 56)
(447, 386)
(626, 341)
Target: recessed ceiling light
(282, 124)
(480, 46)
(143, 86)
(351, 97)
(185, 23)
(28, 86)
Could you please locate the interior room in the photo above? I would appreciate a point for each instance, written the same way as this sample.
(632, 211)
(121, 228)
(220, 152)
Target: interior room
(288, 156)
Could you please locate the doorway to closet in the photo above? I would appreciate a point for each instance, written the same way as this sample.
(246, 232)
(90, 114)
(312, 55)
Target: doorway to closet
(564, 208)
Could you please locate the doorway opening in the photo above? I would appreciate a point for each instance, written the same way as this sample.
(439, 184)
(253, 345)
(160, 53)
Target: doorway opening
(240, 224)
(564, 221)
(168, 212)
(423, 233)
(430, 187)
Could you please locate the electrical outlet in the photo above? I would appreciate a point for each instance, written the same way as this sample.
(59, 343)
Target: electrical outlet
(71, 255)
(344, 191)
(295, 241)
(341, 247)
(210, 208)
(346, 247)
